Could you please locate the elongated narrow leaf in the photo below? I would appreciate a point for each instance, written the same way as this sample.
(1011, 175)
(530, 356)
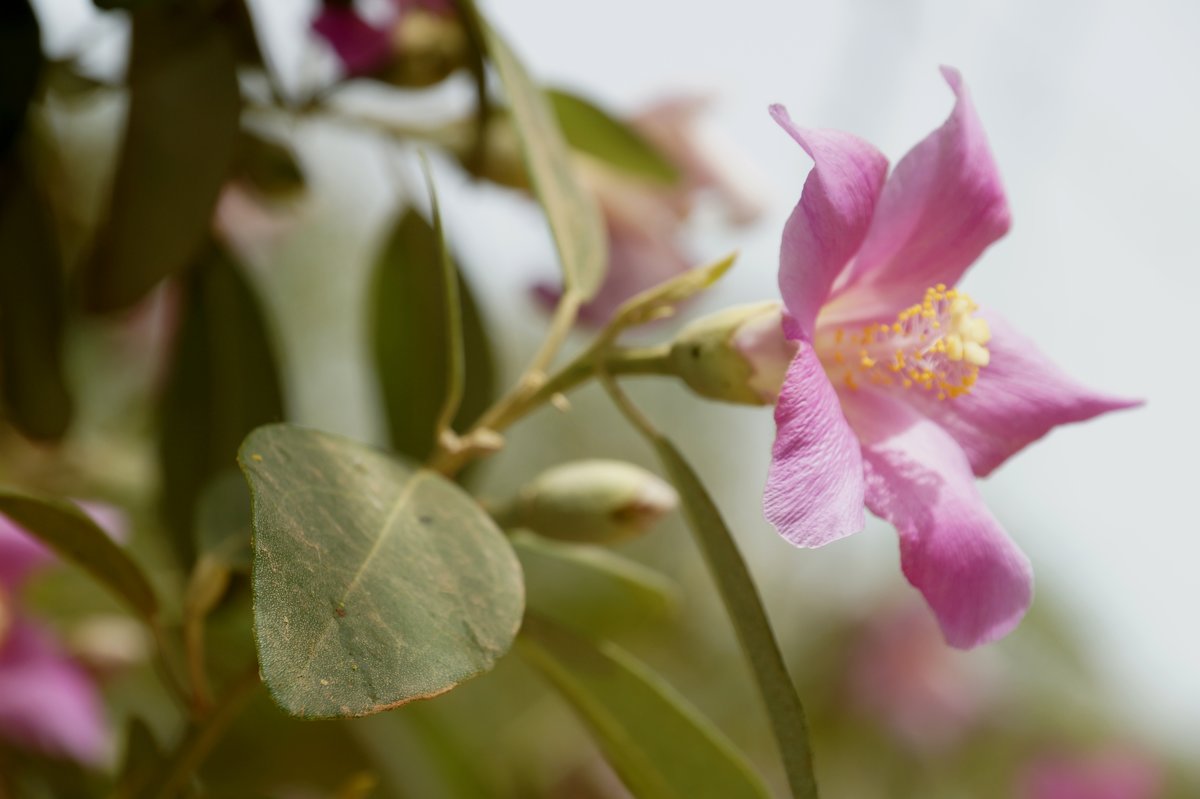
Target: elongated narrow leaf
(652, 303)
(376, 583)
(749, 619)
(408, 330)
(180, 139)
(591, 587)
(592, 130)
(571, 211)
(36, 398)
(20, 67)
(76, 538)
(660, 745)
(223, 383)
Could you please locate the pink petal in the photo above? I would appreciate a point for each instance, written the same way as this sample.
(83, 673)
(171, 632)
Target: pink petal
(1114, 774)
(814, 491)
(635, 263)
(952, 549)
(20, 555)
(47, 702)
(361, 47)
(832, 218)
(941, 208)
(1019, 397)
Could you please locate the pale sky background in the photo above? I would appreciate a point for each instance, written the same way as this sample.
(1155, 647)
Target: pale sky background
(1091, 108)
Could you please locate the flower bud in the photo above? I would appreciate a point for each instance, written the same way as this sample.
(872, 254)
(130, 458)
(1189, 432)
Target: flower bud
(594, 501)
(739, 354)
(428, 47)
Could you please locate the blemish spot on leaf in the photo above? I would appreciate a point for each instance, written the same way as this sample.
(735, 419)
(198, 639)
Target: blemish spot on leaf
(256, 457)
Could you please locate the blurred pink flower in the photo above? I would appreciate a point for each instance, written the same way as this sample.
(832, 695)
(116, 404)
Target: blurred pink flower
(900, 395)
(901, 674)
(1112, 774)
(362, 46)
(645, 219)
(48, 702)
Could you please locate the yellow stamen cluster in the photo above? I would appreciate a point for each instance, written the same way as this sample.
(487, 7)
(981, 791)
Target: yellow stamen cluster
(936, 346)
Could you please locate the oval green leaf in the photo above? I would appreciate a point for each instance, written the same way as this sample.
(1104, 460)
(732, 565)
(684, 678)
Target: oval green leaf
(76, 538)
(590, 129)
(659, 744)
(376, 583)
(180, 139)
(571, 211)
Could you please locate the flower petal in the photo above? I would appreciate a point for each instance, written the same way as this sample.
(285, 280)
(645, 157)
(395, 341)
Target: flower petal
(940, 209)
(361, 47)
(47, 702)
(635, 263)
(952, 549)
(814, 491)
(20, 554)
(832, 218)
(1019, 397)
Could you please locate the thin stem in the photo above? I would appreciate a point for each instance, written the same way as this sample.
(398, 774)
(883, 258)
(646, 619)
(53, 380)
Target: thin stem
(202, 737)
(163, 665)
(517, 404)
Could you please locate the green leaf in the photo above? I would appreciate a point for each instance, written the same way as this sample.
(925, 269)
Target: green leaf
(32, 316)
(140, 761)
(659, 301)
(73, 535)
(376, 583)
(180, 139)
(658, 743)
(749, 618)
(223, 521)
(409, 329)
(270, 166)
(571, 211)
(21, 64)
(223, 383)
(592, 130)
(591, 587)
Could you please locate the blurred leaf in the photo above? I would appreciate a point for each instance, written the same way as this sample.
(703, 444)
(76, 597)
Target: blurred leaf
(180, 139)
(590, 587)
(659, 300)
(73, 535)
(223, 520)
(748, 615)
(126, 5)
(32, 316)
(571, 210)
(224, 382)
(20, 67)
(592, 130)
(141, 759)
(270, 166)
(376, 583)
(408, 330)
(658, 743)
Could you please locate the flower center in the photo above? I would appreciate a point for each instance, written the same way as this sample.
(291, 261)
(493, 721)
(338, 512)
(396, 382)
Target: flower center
(935, 346)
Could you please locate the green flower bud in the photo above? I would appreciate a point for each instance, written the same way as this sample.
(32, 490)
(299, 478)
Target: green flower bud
(593, 501)
(739, 354)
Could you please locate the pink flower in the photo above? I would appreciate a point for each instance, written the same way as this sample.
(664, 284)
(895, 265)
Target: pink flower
(1114, 774)
(927, 696)
(365, 47)
(48, 703)
(901, 392)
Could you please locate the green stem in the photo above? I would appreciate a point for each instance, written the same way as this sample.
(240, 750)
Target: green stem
(742, 601)
(519, 403)
(200, 739)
